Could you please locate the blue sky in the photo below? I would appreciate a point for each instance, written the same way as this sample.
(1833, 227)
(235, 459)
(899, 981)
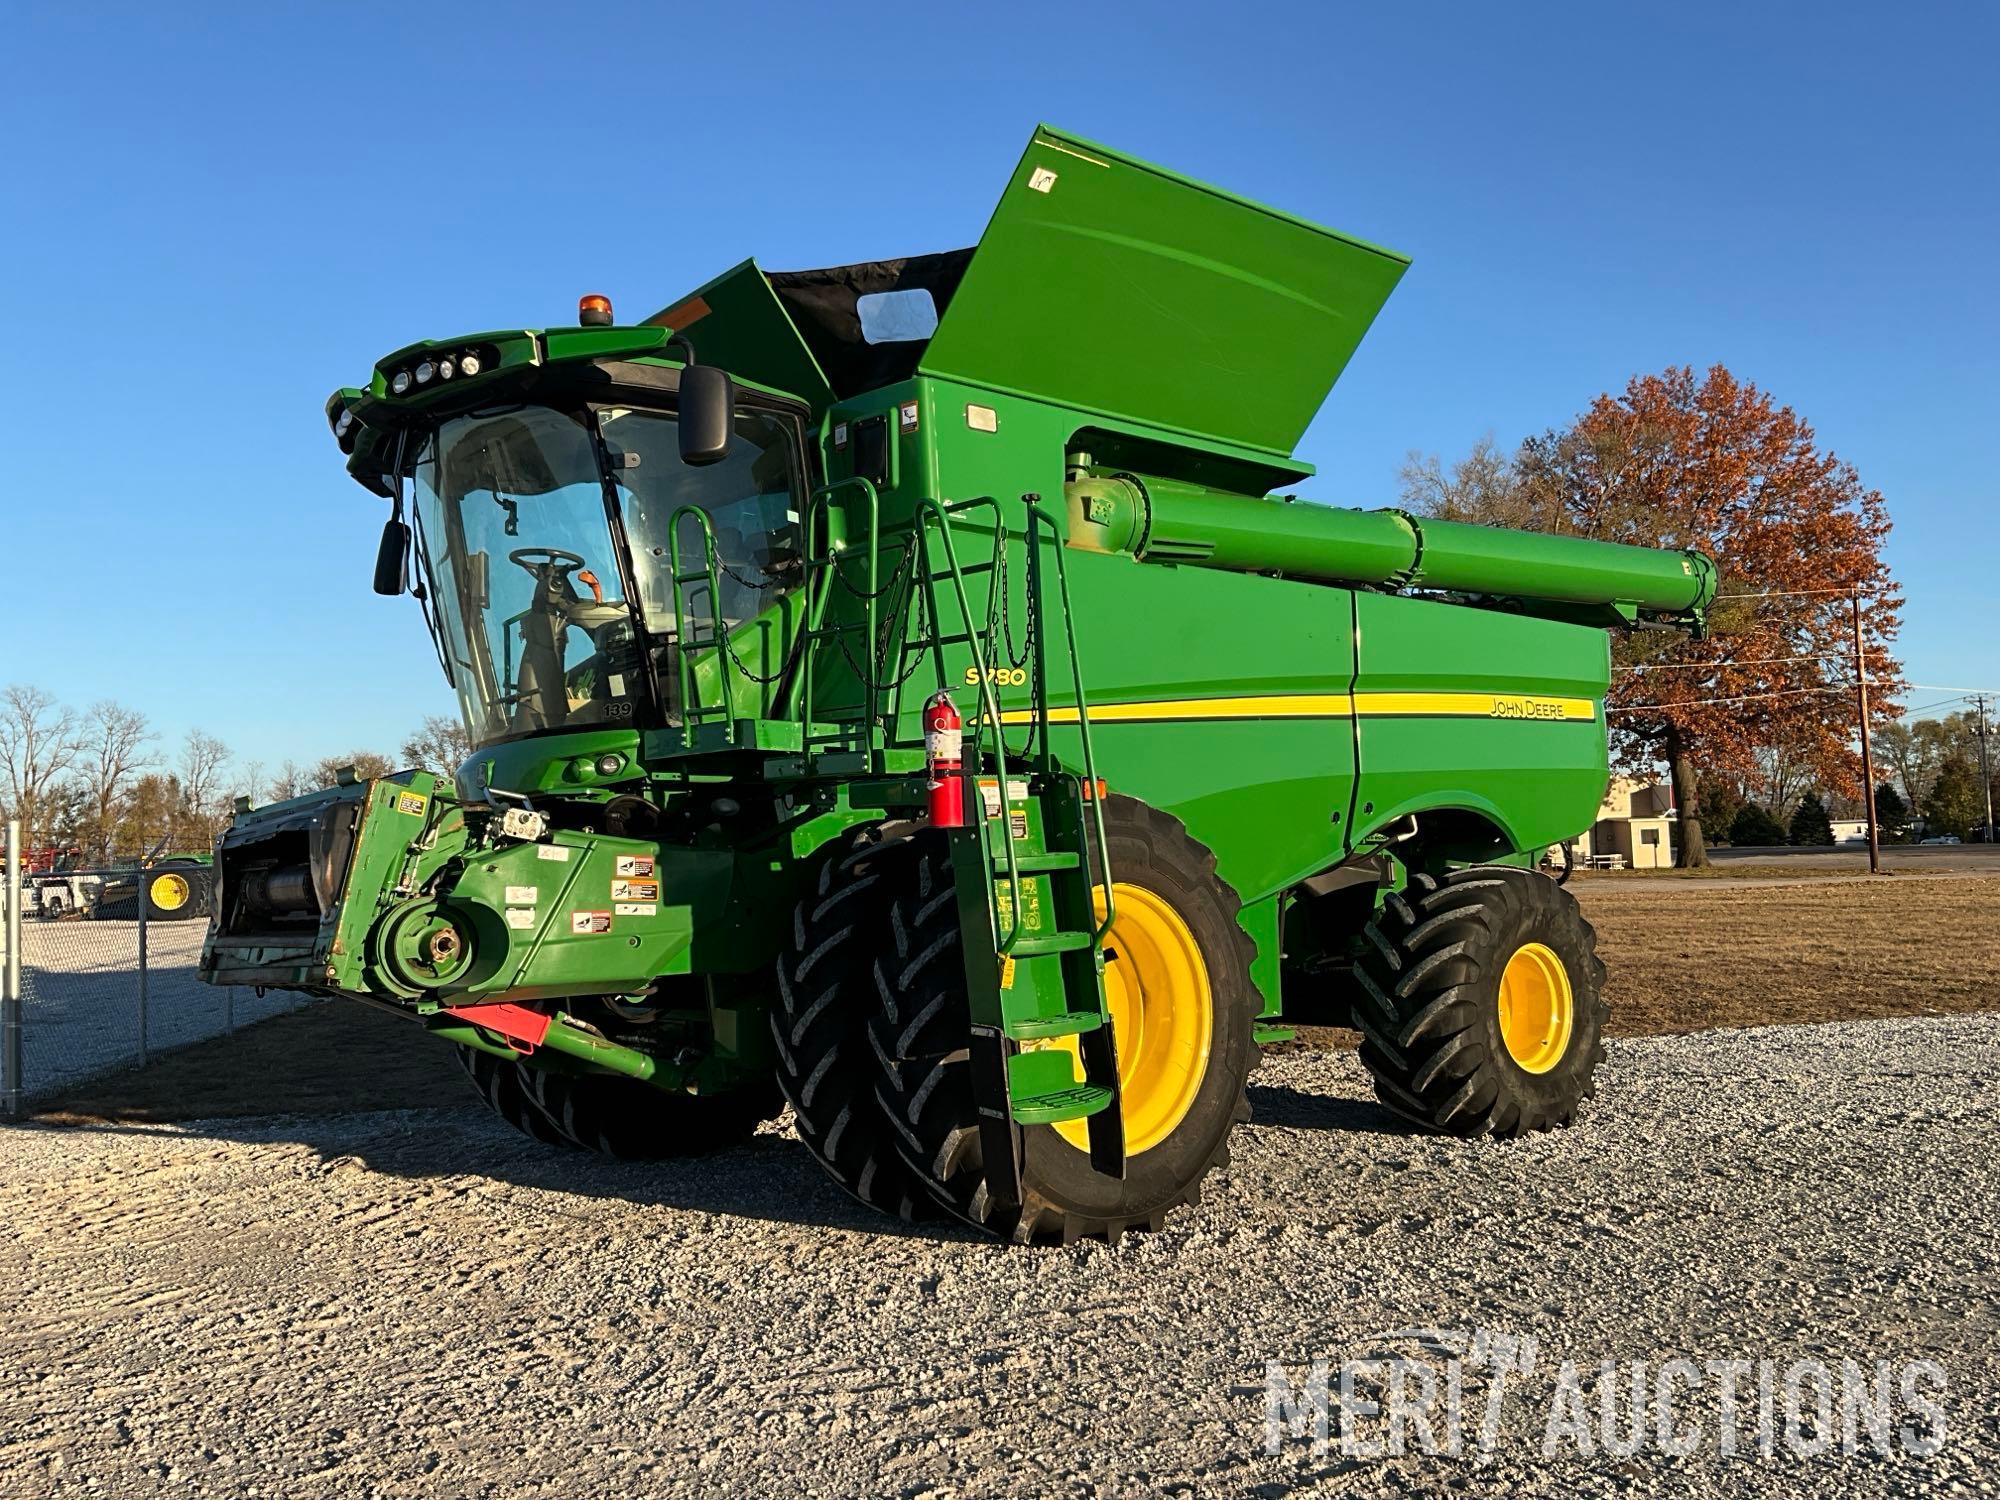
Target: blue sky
(214, 216)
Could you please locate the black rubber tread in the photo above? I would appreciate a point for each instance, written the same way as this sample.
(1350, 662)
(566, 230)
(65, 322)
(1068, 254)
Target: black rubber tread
(633, 1121)
(920, 1033)
(819, 1023)
(1426, 1002)
(499, 1082)
(200, 883)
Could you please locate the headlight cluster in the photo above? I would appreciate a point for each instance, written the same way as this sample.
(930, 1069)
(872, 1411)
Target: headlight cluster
(430, 371)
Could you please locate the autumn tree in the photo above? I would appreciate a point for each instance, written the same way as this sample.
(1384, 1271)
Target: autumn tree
(1715, 464)
(440, 745)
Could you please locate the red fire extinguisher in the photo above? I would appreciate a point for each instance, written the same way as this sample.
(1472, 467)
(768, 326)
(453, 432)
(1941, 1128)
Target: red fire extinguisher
(944, 750)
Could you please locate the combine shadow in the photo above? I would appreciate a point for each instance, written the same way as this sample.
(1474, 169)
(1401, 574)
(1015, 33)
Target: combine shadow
(1298, 1109)
(771, 1177)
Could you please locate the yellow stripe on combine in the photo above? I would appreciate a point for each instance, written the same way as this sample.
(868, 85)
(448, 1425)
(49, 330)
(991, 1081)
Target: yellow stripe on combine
(1528, 707)
(1475, 705)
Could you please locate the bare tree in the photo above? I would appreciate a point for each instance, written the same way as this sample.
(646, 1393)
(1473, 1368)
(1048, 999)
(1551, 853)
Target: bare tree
(203, 761)
(1486, 487)
(366, 762)
(249, 780)
(291, 780)
(440, 744)
(114, 749)
(39, 743)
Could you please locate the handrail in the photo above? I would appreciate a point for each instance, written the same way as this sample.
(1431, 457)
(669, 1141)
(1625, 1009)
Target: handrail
(819, 504)
(691, 708)
(990, 709)
(1038, 517)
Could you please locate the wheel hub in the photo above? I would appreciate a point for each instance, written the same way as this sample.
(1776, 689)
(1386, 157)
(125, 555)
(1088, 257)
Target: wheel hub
(1162, 1011)
(1537, 1007)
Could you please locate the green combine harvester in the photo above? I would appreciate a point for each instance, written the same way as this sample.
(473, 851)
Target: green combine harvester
(898, 691)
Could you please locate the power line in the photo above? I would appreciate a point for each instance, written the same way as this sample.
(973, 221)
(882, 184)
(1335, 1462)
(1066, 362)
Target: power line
(1784, 594)
(1634, 708)
(1718, 666)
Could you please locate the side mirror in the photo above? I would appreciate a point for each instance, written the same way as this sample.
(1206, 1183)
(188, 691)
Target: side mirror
(708, 399)
(392, 557)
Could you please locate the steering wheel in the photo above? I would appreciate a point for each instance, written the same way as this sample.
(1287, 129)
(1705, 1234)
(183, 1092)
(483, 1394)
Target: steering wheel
(535, 559)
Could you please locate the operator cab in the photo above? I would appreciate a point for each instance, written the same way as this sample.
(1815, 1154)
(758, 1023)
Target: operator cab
(545, 535)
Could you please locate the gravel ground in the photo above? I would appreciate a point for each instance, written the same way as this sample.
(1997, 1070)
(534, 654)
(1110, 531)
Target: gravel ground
(418, 1302)
(80, 998)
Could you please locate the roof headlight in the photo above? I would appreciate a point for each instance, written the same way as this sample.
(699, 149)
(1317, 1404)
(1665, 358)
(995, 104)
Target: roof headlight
(425, 372)
(344, 425)
(399, 382)
(470, 362)
(447, 368)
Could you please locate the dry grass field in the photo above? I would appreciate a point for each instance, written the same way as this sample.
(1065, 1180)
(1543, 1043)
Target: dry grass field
(1690, 955)
(1684, 955)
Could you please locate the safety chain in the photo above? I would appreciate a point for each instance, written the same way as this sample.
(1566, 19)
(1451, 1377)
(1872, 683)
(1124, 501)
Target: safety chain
(866, 674)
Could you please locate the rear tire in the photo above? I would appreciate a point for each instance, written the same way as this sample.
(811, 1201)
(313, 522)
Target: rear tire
(174, 893)
(921, 1031)
(1480, 1000)
(819, 1023)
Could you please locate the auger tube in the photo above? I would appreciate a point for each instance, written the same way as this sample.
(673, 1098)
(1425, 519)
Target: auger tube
(1172, 521)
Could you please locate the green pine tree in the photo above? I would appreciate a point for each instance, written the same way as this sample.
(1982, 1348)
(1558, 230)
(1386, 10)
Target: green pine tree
(1810, 824)
(1892, 813)
(1755, 828)
(1956, 803)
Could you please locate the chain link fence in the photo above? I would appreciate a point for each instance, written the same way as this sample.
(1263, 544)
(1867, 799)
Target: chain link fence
(97, 980)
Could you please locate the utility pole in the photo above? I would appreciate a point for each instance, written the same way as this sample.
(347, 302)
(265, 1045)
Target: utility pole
(1867, 749)
(1985, 767)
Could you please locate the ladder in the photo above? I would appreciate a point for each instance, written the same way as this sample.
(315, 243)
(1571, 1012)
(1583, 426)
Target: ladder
(1027, 982)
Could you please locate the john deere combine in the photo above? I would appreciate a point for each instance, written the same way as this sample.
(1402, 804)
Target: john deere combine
(898, 691)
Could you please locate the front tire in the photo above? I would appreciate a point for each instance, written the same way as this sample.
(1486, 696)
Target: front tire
(819, 1023)
(1480, 1000)
(1184, 1015)
(614, 1116)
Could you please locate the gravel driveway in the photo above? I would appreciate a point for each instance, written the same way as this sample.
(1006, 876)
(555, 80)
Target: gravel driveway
(418, 1302)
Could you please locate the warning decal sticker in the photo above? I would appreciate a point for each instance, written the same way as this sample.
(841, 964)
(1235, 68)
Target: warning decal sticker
(584, 923)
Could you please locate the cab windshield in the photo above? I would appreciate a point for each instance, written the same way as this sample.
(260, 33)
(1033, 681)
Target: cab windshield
(528, 578)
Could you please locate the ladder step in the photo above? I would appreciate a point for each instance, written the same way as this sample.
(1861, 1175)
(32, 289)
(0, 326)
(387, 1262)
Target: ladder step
(1033, 945)
(1072, 1103)
(1073, 1024)
(1037, 864)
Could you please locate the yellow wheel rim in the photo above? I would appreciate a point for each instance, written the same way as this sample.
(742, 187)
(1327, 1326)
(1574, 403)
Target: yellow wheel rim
(1162, 1018)
(1537, 1007)
(170, 892)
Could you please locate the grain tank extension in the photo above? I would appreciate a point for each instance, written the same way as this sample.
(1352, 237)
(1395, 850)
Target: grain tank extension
(911, 692)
